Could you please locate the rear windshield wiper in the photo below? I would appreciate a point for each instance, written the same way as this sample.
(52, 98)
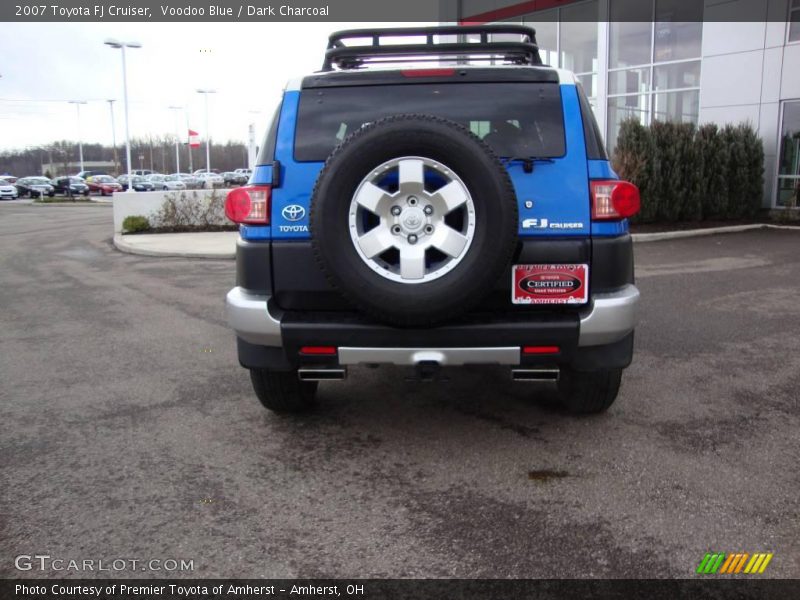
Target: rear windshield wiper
(527, 161)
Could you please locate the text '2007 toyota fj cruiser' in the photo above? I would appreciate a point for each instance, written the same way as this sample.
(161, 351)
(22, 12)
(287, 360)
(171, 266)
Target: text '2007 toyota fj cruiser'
(434, 217)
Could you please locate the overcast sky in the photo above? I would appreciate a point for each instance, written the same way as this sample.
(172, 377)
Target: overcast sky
(44, 65)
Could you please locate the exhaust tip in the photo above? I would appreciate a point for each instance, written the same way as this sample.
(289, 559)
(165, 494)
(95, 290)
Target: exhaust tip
(534, 375)
(321, 374)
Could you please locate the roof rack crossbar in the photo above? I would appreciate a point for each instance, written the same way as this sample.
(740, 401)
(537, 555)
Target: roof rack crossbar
(353, 56)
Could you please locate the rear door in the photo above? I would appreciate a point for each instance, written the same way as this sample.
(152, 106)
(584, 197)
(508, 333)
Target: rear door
(519, 120)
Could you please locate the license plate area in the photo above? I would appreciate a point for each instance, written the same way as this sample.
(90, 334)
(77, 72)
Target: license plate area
(550, 284)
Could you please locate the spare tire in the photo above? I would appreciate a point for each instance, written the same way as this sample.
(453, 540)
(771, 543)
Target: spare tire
(414, 219)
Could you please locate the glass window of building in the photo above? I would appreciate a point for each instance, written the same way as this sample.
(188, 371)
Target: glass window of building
(567, 39)
(794, 21)
(654, 67)
(630, 33)
(789, 158)
(546, 26)
(578, 47)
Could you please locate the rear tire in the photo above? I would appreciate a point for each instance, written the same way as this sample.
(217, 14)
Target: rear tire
(588, 393)
(282, 391)
(451, 264)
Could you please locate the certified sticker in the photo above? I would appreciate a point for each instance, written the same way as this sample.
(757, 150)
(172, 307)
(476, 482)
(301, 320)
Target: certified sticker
(550, 284)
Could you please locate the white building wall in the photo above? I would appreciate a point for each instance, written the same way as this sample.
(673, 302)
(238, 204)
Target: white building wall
(748, 70)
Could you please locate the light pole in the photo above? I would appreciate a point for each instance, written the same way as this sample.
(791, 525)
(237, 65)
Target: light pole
(251, 141)
(177, 138)
(77, 104)
(113, 132)
(208, 133)
(122, 46)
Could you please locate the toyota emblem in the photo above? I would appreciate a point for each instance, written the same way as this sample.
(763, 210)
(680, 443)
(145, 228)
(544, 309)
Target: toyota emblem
(293, 212)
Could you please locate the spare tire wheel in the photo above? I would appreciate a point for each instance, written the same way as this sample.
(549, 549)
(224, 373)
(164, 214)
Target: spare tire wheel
(414, 219)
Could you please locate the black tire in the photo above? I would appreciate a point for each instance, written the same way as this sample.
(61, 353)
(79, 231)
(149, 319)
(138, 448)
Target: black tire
(496, 221)
(282, 391)
(589, 392)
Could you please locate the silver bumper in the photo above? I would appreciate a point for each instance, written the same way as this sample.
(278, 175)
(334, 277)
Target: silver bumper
(610, 318)
(250, 318)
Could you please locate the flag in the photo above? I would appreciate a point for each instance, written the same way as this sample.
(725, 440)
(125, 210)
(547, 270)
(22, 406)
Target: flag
(194, 139)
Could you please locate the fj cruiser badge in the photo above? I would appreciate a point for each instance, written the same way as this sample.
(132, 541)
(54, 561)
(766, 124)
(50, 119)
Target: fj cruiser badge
(547, 224)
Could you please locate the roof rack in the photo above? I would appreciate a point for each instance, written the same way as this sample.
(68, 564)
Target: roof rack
(524, 52)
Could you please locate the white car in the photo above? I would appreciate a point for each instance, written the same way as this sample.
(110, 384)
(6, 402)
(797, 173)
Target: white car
(210, 180)
(247, 172)
(7, 191)
(192, 182)
(171, 183)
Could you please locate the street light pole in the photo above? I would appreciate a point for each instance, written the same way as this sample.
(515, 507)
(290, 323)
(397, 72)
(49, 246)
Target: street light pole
(113, 132)
(77, 104)
(208, 132)
(177, 138)
(122, 46)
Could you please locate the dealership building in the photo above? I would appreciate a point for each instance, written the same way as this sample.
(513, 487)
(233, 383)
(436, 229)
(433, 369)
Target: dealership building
(709, 61)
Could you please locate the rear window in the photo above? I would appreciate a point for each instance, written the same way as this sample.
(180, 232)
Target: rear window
(266, 154)
(515, 119)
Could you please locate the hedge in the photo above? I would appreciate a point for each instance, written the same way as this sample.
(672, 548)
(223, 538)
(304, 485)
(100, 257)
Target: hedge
(686, 173)
(135, 223)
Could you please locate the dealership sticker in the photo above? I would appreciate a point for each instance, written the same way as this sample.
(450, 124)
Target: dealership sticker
(550, 284)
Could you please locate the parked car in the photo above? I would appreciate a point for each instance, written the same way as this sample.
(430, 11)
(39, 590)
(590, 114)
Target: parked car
(86, 174)
(192, 182)
(34, 187)
(71, 186)
(9, 178)
(105, 184)
(143, 172)
(416, 242)
(140, 183)
(166, 182)
(199, 171)
(210, 180)
(246, 172)
(7, 190)
(232, 178)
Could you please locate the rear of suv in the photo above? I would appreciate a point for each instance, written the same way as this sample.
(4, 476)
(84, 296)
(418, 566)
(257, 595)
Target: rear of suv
(434, 217)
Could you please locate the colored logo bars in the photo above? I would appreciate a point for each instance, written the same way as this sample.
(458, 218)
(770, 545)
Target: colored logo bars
(734, 563)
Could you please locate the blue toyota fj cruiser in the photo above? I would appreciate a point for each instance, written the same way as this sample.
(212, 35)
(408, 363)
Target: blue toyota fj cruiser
(431, 217)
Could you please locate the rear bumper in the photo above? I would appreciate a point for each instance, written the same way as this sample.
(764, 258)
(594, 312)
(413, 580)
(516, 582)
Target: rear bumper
(485, 339)
(611, 317)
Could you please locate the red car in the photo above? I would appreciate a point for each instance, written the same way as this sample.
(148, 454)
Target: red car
(105, 184)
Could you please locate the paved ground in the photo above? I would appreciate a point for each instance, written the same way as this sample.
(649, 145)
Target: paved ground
(129, 431)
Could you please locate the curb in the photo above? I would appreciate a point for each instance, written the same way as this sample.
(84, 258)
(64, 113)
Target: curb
(78, 203)
(688, 233)
(123, 246)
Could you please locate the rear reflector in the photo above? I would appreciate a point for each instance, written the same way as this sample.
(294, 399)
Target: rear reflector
(428, 72)
(614, 200)
(540, 350)
(249, 204)
(318, 350)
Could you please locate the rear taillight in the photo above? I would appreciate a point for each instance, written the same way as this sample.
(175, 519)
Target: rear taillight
(614, 200)
(249, 204)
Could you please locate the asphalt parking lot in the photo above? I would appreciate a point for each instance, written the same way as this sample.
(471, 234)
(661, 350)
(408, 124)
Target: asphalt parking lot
(129, 430)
